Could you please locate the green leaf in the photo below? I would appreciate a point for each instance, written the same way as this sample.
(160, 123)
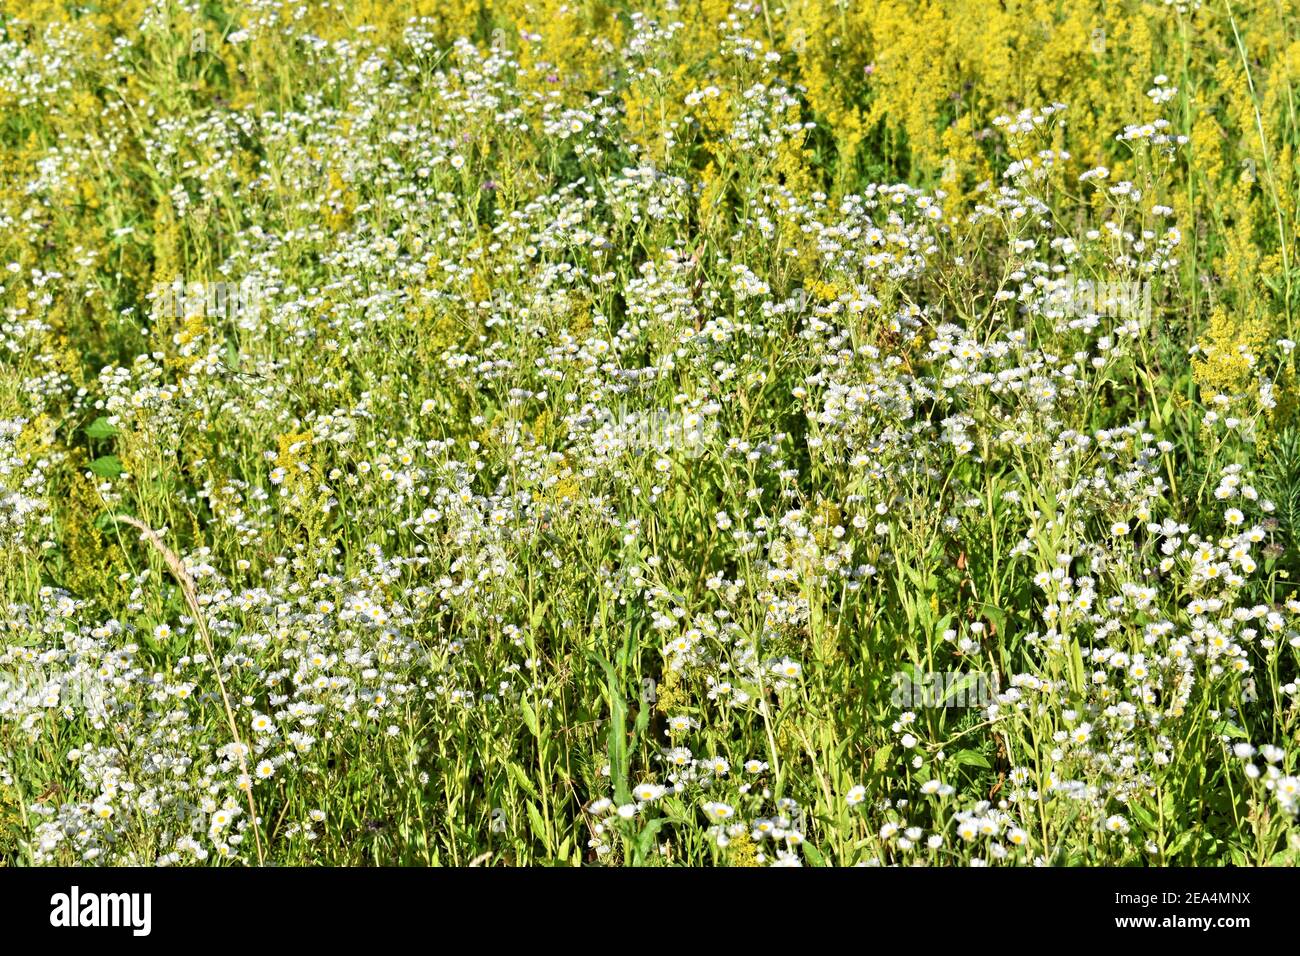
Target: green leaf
(639, 727)
(1287, 857)
(1059, 854)
(1143, 815)
(968, 758)
(530, 717)
(618, 755)
(1076, 668)
(1180, 843)
(100, 428)
(880, 762)
(1227, 728)
(520, 777)
(645, 839)
(539, 613)
(960, 685)
(919, 581)
(813, 854)
(107, 467)
(535, 821)
(996, 615)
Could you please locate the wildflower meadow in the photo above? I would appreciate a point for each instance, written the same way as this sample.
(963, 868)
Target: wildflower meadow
(649, 432)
